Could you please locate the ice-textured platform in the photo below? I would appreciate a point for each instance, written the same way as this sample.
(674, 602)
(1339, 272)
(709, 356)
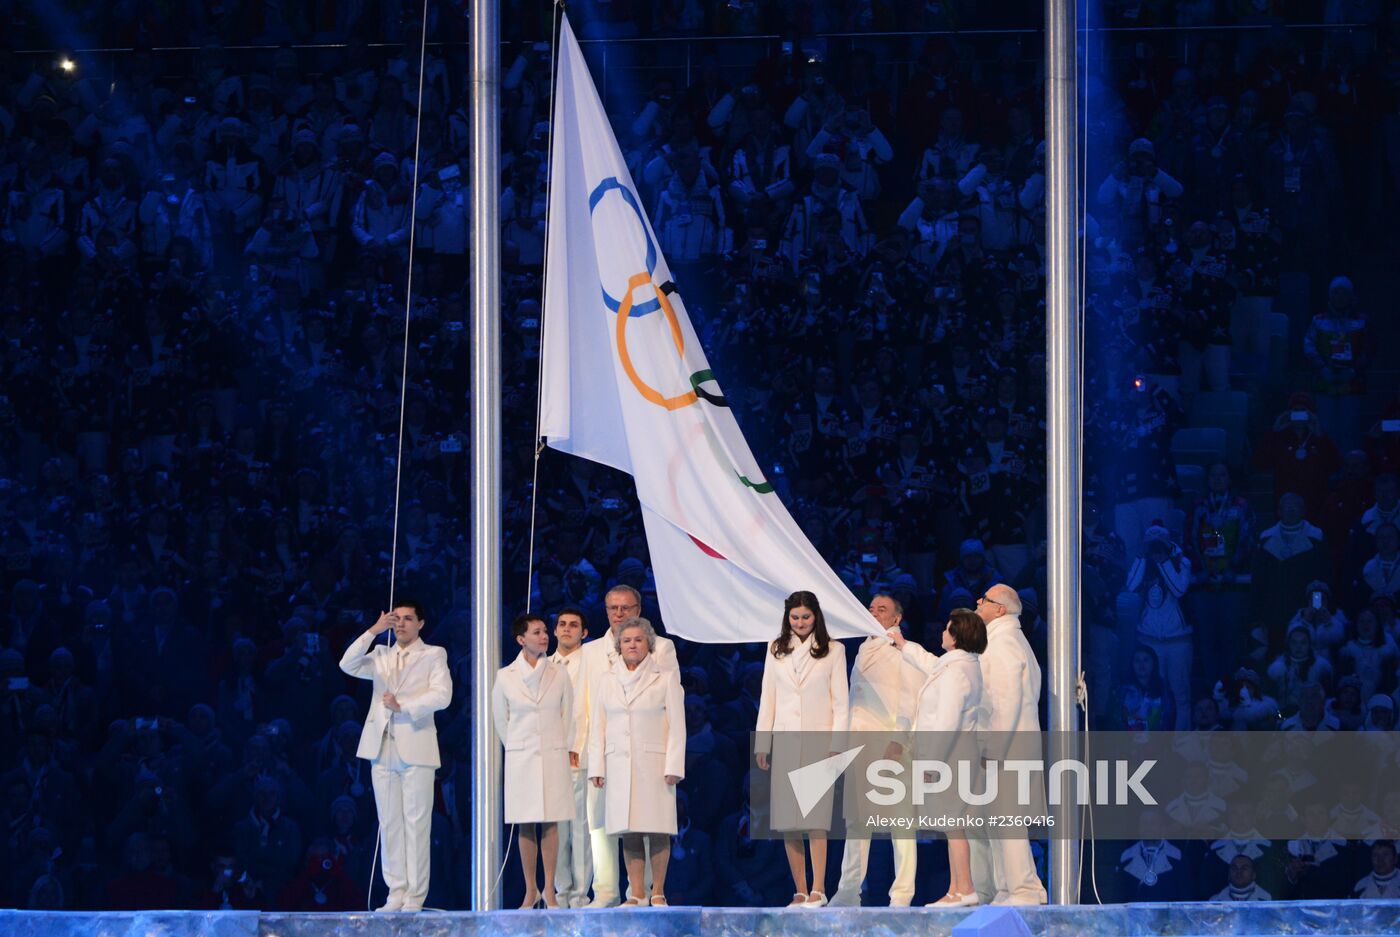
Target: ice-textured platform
(1335, 918)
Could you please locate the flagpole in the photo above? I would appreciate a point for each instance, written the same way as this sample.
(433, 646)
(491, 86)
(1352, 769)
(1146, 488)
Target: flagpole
(1063, 421)
(486, 446)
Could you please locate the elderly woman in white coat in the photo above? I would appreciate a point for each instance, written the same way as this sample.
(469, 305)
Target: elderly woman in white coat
(532, 706)
(805, 700)
(636, 753)
(948, 704)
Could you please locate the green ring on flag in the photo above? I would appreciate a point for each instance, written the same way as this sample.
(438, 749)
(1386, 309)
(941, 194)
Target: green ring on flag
(700, 377)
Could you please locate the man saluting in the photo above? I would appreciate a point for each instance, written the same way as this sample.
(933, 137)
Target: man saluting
(411, 682)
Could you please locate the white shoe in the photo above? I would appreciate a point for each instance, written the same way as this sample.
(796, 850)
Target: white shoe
(844, 899)
(634, 902)
(602, 901)
(799, 900)
(815, 900)
(395, 903)
(410, 908)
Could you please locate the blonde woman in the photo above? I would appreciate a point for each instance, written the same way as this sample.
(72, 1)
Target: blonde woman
(636, 754)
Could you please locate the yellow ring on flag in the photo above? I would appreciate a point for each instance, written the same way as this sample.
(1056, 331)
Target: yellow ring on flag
(623, 314)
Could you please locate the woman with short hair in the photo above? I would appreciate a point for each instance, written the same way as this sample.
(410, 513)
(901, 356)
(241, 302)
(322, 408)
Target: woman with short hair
(636, 753)
(532, 707)
(947, 705)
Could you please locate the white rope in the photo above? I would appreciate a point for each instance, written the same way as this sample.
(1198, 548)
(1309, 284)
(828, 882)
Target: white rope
(403, 381)
(544, 295)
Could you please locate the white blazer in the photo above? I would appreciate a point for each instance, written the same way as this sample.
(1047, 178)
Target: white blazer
(422, 687)
(817, 702)
(598, 657)
(637, 738)
(1010, 687)
(884, 688)
(533, 714)
(949, 700)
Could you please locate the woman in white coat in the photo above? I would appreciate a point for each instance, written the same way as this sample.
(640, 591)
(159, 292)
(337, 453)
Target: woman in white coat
(532, 706)
(947, 704)
(805, 701)
(636, 753)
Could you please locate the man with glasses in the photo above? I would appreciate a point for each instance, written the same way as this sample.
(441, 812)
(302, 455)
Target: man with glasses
(1002, 868)
(622, 602)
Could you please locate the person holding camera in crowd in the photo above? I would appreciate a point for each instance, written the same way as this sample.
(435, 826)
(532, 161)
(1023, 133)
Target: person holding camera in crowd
(411, 683)
(1160, 577)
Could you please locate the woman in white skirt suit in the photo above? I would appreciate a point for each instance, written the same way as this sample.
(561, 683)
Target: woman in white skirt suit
(805, 699)
(532, 705)
(947, 704)
(636, 753)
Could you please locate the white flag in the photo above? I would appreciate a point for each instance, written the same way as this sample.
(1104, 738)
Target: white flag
(627, 384)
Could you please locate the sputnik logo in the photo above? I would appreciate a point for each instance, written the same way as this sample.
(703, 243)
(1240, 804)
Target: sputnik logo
(810, 783)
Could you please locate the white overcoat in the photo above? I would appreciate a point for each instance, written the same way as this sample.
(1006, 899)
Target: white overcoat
(534, 719)
(636, 738)
(801, 719)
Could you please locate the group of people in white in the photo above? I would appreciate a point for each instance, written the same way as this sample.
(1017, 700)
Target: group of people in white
(595, 738)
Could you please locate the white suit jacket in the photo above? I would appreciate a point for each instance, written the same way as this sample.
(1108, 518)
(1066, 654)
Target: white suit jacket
(1010, 682)
(818, 702)
(596, 658)
(884, 687)
(422, 687)
(948, 702)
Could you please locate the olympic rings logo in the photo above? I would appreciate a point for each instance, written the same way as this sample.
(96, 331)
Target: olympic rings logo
(626, 309)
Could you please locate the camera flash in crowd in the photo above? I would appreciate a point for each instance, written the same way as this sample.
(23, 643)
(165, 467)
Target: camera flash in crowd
(67, 65)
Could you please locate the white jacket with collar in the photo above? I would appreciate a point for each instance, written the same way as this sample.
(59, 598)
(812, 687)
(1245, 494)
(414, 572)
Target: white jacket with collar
(884, 687)
(817, 703)
(596, 658)
(423, 687)
(1010, 681)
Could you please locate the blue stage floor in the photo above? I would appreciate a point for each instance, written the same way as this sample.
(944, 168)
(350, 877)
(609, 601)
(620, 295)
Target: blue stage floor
(1338, 918)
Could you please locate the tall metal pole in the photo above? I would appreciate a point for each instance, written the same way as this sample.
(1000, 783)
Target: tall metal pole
(1064, 419)
(486, 446)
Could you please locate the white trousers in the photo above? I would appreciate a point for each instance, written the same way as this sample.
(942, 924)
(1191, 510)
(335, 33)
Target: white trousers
(855, 856)
(1003, 871)
(574, 872)
(602, 846)
(403, 795)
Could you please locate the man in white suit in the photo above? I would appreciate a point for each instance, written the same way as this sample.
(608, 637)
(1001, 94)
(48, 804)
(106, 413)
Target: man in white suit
(575, 868)
(411, 683)
(621, 603)
(1003, 871)
(884, 692)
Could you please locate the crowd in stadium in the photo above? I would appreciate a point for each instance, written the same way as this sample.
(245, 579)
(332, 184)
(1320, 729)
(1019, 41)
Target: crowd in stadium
(203, 262)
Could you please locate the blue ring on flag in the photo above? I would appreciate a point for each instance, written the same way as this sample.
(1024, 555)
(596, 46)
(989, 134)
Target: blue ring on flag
(603, 188)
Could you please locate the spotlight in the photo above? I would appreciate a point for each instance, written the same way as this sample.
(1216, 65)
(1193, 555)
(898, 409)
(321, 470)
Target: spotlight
(67, 65)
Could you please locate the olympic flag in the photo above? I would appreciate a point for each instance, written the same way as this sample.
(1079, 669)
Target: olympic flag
(627, 384)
